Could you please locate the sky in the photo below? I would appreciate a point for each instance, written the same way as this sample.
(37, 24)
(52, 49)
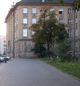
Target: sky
(4, 7)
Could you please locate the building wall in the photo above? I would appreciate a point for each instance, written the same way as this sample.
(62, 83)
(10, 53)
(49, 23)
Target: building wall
(21, 45)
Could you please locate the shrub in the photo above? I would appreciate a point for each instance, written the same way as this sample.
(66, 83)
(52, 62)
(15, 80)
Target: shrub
(39, 50)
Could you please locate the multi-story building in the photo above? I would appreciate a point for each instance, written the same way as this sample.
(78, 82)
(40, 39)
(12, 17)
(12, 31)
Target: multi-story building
(26, 12)
(2, 44)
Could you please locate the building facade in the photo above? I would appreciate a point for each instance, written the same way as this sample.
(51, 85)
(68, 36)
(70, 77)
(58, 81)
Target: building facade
(2, 44)
(26, 12)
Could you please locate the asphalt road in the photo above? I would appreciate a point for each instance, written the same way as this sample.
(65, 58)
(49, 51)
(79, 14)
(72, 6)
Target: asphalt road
(32, 72)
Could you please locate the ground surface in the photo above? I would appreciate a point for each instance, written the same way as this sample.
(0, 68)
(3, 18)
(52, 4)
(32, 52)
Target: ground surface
(32, 72)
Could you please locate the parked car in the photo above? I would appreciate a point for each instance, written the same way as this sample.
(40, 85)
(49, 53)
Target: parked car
(2, 59)
(6, 57)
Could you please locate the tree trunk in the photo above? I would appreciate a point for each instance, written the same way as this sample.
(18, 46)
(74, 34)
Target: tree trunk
(47, 49)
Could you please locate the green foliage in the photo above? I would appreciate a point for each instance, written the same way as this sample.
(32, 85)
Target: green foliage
(47, 29)
(4, 53)
(39, 49)
(62, 50)
(68, 67)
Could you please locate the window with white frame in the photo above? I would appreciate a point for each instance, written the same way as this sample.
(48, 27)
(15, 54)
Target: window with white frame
(52, 9)
(24, 32)
(70, 32)
(24, 10)
(24, 20)
(60, 20)
(69, 21)
(43, 0)
(76, 32)
(33, 20)
(69, 11)
(76, 20)
(60, 11)
(76, 44)
(33, 10)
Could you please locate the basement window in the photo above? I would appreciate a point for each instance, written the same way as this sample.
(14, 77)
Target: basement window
(60, 11)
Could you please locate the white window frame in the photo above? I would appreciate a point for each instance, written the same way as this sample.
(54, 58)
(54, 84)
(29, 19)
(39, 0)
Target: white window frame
(24, 32)
(76, 32)
(61, 10)
(24, 10)
(33, 20)
(34, 10)
(24, 20)
(69, 10)
(70, 32)
(69, 21)
(60, 20)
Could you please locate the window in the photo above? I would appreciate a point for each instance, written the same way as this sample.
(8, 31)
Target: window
(33, 20)
(17, 22)
(43, 0)
(76, 20)
(69, 21)
(70, 32)
(76, 32)
(60, 20)
(4, 45)
(24, 20)
(24, 32)
(69, 11)
(70, 43)
(60, 11)
(76, 44)
(52, 9)
(33, 10)
(24, 10)
(15, 34)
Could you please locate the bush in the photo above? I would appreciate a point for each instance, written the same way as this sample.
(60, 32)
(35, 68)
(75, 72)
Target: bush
(39, 50)
(74, 59)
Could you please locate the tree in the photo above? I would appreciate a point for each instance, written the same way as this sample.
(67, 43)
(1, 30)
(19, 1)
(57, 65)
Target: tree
(47, 29)
(62, 3)
(62, 49)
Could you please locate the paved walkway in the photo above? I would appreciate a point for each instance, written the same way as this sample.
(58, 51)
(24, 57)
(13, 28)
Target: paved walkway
(32, 72)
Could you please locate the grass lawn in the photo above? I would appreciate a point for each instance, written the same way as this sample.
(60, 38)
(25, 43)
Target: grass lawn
(68, 67)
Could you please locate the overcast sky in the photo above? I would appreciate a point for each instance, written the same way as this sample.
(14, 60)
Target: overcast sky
(4, 7)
